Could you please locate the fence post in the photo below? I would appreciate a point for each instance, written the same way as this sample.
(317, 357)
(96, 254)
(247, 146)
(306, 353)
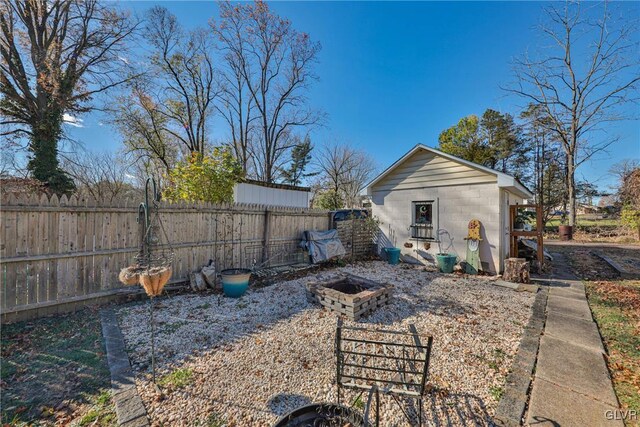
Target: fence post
(266, 236)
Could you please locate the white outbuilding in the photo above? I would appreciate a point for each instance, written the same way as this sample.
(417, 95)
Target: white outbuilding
(272, 194)
(425, 200)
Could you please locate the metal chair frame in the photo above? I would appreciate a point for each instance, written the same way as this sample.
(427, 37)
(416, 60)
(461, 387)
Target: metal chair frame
(394, 368)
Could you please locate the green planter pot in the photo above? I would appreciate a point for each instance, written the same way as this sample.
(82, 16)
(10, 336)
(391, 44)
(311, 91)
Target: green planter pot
(393, 255)
(446, 262)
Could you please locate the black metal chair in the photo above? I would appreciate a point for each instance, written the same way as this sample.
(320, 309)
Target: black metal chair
(394, 363)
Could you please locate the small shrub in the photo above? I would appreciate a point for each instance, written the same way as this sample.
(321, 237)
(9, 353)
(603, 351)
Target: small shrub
(204, 178)
(631, 218)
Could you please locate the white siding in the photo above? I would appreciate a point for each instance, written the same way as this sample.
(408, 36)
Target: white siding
(426, 169)
(250, 193)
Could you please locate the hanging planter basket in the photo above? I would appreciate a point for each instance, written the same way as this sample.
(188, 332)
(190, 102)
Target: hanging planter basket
(154, 279)
(130, 276)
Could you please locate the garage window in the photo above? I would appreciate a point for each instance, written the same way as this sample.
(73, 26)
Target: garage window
(424, 219)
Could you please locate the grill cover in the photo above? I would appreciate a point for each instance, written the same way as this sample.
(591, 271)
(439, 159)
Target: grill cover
(322, 245)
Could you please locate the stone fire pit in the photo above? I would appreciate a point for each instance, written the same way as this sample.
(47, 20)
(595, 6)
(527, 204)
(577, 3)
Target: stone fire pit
(352, 296)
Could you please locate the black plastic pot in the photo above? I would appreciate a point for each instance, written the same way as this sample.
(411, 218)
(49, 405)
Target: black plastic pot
(321, 415)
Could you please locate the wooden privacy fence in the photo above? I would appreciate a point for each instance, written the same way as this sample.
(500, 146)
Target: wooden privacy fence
(58, 250)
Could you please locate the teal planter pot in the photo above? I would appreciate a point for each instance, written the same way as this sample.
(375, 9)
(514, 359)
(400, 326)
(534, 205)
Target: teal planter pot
(446, 262)
(393, 255)
(235, 281)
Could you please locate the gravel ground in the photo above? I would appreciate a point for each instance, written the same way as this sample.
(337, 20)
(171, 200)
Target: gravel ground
(247, 362)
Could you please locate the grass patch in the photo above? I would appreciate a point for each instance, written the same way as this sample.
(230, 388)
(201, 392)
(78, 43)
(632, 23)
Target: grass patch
(169, 328)
(102, 414)
(616, 308)
(496, 360)
(54, 369)
(213, 420)
(496, 392)
(358, 403)
(204, 306)
(583, 222)
(177, 379)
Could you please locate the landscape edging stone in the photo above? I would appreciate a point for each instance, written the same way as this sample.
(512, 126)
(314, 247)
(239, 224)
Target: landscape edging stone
(129, 407)
(513, 403)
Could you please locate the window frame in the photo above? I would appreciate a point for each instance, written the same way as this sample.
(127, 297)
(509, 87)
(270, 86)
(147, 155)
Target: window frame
(434, 220)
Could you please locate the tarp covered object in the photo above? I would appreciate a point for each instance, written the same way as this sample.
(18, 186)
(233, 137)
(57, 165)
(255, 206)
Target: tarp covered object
(322, 245)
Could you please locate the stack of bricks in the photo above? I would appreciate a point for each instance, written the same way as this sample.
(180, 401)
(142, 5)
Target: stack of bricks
(352, 305)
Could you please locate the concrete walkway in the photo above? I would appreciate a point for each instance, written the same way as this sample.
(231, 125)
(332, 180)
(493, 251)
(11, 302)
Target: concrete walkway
(571, 386)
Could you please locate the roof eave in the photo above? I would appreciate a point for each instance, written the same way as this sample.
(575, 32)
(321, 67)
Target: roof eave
(513, 185)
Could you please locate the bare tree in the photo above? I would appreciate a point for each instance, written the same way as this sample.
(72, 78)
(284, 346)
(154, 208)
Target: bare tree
(344, 172)
(10, 164)
(547, 160)
(167, 110)
(362, 172)
(144, 131)
(182, 74)
(581, 84)
(103, 175)
(56, 56)
(621, 171)
(236, 104)
(624, 168)
(275, 63)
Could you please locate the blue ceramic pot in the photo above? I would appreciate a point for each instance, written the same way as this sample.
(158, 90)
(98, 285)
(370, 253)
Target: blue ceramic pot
(235, 281)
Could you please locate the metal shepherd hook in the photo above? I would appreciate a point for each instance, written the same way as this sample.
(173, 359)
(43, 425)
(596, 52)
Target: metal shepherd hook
(148, 239)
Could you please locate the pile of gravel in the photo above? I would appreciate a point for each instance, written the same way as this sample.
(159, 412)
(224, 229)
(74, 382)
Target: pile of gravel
(248, 361)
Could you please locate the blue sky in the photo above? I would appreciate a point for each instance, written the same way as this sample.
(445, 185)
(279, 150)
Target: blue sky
(393, 74)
